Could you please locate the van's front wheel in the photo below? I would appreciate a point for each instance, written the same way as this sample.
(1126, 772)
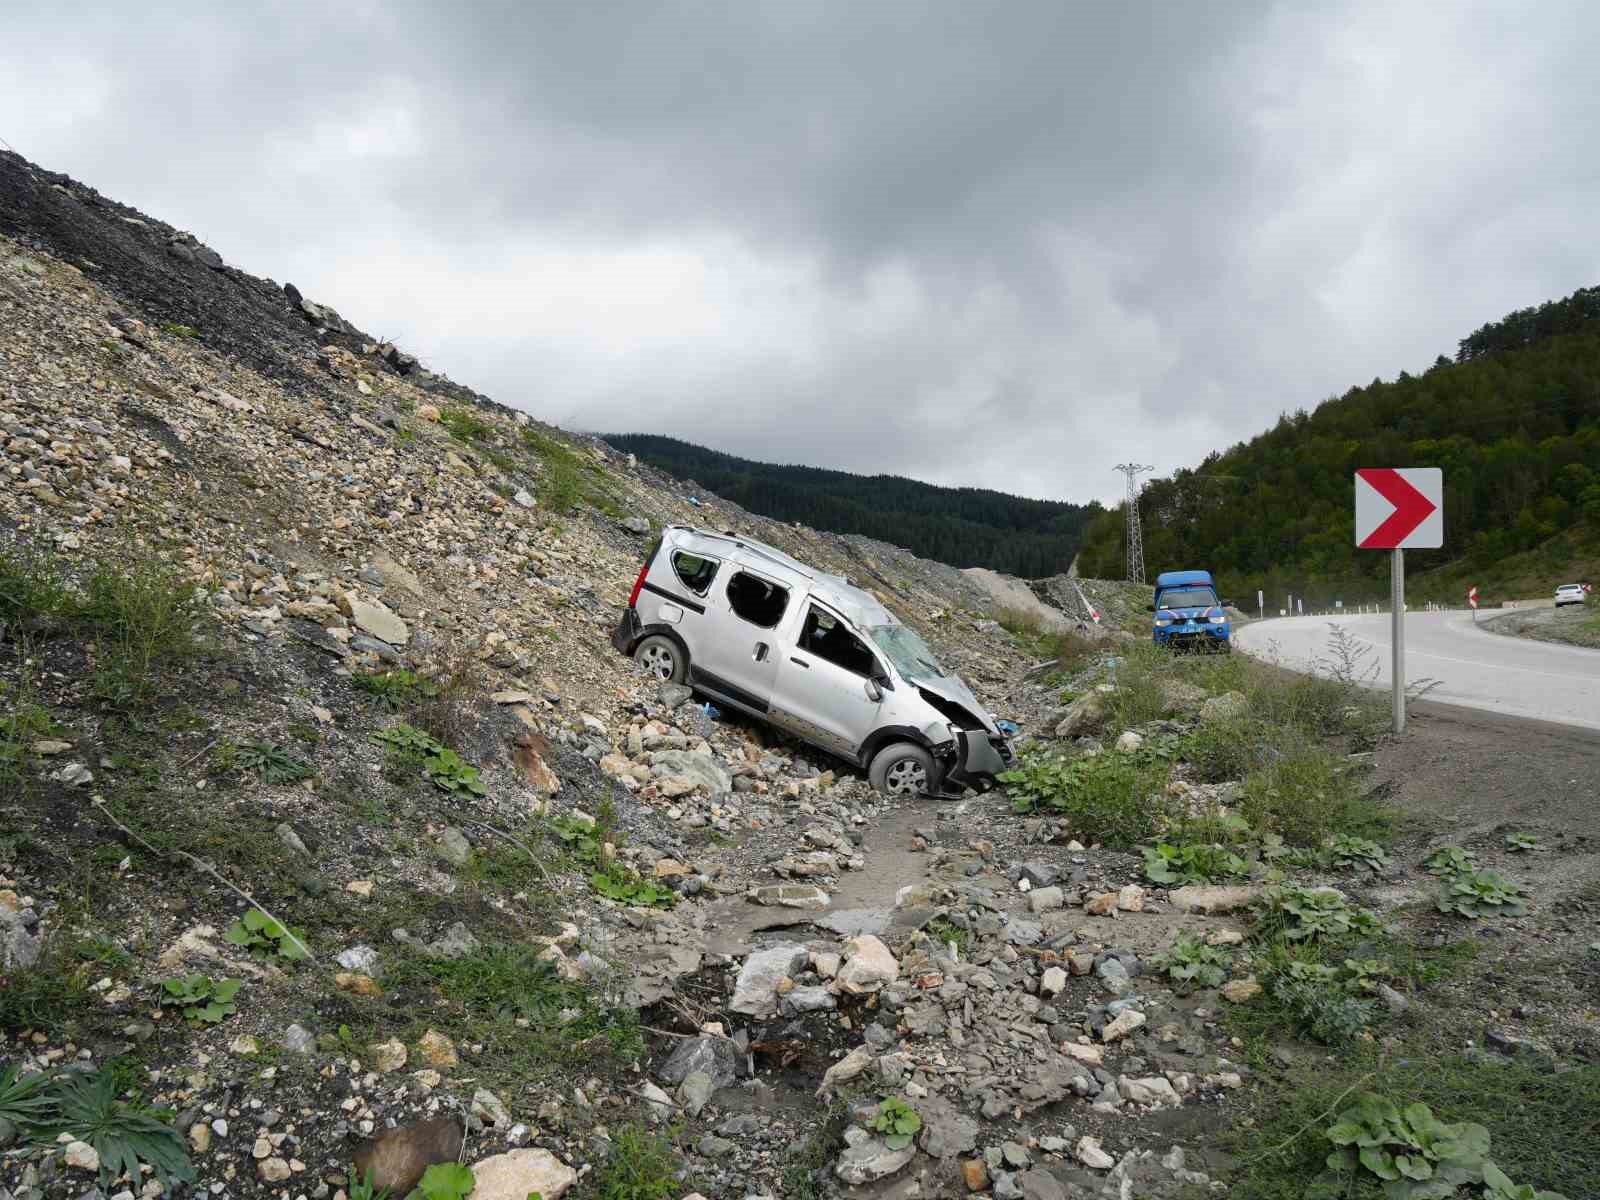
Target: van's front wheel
(661, 659)
(902, 769)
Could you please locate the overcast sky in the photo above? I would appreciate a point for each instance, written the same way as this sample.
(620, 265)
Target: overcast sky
(1000, 244)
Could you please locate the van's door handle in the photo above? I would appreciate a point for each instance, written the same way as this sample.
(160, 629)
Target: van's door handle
(760, 652)
(800, 662)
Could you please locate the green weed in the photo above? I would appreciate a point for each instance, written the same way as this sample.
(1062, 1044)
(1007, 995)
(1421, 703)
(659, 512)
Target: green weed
(1308, 797)
(271, 764)
(201, 998)
(262, 935)
(396, 690)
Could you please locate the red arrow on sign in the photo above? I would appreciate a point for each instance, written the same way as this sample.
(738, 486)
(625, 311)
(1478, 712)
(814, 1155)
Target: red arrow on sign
(1411, 507)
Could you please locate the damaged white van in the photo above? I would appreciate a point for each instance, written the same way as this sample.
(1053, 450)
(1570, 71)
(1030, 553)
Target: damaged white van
(759, 631)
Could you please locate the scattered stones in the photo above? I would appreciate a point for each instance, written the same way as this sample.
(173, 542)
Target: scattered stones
(1046, 899)
(1131, 898)
(454, 848)
(1086, 714)
(436, 1050)
(82, 1156)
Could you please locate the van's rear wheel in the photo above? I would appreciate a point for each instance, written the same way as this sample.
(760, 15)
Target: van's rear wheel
(902, 769)
(661, 659)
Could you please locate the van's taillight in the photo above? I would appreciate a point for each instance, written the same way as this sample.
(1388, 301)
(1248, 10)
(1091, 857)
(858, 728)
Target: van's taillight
(638, 585)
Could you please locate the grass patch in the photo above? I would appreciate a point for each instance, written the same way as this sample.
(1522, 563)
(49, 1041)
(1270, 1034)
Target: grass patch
(465, 425)
(1541, 1124)
(639, 1166)
(188, 332)
(566, 478)
(1307, 795)
(489, 992)
(395, 690)
(48, 997)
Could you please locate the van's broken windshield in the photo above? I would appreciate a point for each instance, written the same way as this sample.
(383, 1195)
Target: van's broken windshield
(908, 652)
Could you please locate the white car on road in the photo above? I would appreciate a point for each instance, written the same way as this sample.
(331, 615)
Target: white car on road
(1569, 593)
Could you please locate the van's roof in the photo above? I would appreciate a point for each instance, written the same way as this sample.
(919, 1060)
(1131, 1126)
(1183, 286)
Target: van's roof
(1180, 578)
(855, 604)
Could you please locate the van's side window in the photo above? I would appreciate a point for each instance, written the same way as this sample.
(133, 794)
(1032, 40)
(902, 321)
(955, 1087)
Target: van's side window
(757, 601)
(825, 637)
(694, 572)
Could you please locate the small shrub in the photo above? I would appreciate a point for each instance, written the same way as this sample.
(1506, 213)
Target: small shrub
(1307, 797)
(1314, 1000)
(1165, 863)
(123, 1135)
(945, 932)
(188, 332)
(1481, 894)
(24, 724)
(617, 882)
(449, 772)
(897, 1121)
(1190, 961)
(271, 764)
(262, 935)
(1110, 798)
(1450, 860)
(1522, 843)
(396, 690)
(1299, 913)
(33, 592)
(1417, 1156)
(1346, 851)
(201, 998)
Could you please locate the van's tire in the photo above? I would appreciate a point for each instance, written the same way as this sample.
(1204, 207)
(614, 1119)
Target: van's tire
(903, 769)
(662, 659)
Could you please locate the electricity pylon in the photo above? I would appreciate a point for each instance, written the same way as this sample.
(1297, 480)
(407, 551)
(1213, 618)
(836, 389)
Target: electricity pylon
(1135, 538)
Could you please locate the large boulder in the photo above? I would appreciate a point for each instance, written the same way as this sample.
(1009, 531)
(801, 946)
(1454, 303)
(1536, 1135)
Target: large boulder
(1087, 714)
(714, 1057)
(686, 766)
(519, 1174)
(869, 1160)
(755, 993)
(868, 966)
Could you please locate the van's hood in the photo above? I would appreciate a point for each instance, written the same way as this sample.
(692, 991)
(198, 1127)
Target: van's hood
(954, 691)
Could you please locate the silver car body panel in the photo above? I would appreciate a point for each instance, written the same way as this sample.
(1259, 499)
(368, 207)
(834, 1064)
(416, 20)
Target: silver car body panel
(766, 671)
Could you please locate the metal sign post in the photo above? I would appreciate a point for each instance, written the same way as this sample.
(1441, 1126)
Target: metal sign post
(1397, 635)
(1396, 509)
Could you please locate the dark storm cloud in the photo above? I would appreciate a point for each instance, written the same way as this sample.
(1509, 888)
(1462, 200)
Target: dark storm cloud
(1001, 244)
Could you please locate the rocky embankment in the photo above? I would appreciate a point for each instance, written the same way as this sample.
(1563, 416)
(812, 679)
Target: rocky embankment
(332, 827)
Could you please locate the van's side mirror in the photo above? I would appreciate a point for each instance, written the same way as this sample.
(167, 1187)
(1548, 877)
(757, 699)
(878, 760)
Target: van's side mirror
(1149, 608)
(874, 692)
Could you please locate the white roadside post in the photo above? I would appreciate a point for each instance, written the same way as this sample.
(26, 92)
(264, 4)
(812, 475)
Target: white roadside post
(1397, 510)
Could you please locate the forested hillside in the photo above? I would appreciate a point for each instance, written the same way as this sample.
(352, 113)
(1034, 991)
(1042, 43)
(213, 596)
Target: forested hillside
(1514, 422)
(965, 527)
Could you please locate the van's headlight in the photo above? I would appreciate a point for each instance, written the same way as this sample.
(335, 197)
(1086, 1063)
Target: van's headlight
(1219, 618)
(1163, 622)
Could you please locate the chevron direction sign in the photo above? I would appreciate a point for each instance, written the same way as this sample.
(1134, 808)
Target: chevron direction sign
(1399, 508)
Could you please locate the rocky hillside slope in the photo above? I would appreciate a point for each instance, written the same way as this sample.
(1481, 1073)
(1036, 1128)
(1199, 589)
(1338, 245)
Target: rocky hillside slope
(333, 831)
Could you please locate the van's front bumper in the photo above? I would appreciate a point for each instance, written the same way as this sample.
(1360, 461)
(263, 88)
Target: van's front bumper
(626, 635)
(972, 760)
(1193, 635)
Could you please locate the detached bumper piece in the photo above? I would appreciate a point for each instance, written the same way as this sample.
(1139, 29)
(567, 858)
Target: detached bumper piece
(626, 635)
(972, 761)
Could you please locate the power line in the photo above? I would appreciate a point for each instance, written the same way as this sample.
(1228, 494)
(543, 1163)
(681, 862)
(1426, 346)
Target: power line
(1135, 537)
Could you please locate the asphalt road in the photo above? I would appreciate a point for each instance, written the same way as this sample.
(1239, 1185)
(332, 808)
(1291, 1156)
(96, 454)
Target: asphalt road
(1474, 668)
